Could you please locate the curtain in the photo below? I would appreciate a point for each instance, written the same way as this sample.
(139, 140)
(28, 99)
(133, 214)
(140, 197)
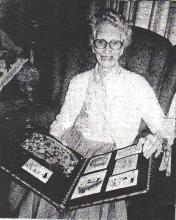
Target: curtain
(157, 16)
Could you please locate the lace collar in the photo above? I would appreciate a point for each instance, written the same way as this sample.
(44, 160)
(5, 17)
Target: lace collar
(97, 76)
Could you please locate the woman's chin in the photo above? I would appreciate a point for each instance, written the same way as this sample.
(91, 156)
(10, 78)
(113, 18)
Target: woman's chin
(107, 64)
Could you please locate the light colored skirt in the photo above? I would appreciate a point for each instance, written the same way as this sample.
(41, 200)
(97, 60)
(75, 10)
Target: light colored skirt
(26, 204)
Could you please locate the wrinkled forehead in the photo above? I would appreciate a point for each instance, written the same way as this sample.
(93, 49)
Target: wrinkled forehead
(107, 30)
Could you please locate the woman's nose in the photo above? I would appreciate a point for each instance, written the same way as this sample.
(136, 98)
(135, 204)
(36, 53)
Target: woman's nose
(107, 48)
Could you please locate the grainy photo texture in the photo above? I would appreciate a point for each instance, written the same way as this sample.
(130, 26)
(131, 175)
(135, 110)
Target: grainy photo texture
(87, 109)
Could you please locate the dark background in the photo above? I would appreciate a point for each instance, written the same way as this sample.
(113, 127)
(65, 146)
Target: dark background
(54, 30)
(49, 28)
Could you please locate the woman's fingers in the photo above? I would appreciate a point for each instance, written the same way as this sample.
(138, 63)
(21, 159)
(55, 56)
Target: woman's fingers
(148, 148)
(152, 144)
(158, 150)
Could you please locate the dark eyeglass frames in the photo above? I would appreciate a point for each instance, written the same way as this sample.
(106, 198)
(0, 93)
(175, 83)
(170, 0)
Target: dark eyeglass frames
(113, 44)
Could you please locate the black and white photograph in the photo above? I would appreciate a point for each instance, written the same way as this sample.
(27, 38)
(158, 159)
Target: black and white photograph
(125, 164)
(6, 74)
(98, 163)
(122, 180)
(97, 78)
(37, 170)
(129, 150)
(89, 184)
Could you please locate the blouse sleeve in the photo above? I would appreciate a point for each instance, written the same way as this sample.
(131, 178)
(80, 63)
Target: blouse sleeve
(150, 109)
(65, 118)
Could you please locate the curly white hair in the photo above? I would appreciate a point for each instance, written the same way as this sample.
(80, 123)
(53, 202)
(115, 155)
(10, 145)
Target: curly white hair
(114, 19)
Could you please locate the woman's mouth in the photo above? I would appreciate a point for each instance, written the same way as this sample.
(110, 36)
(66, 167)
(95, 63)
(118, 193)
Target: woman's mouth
(106, 57)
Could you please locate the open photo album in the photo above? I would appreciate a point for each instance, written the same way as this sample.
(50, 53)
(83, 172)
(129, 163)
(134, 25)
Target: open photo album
(68, 180)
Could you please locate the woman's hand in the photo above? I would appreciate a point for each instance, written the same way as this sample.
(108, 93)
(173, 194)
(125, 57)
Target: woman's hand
(151, 143)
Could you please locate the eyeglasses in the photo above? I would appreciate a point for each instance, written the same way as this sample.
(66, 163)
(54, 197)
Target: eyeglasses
(113, 44)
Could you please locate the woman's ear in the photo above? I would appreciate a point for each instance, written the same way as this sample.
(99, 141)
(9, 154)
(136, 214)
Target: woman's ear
(121, 59)
(92, 45)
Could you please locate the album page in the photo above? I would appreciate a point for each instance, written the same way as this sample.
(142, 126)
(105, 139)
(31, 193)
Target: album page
(111, 176)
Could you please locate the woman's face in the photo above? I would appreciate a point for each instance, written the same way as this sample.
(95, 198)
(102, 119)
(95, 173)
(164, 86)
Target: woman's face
(108, 57)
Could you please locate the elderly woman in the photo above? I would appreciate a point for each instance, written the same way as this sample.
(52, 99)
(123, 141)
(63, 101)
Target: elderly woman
(106, 104)
(102, 111)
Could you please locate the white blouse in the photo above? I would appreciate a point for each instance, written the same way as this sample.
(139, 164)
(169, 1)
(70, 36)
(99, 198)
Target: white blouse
(109, 109)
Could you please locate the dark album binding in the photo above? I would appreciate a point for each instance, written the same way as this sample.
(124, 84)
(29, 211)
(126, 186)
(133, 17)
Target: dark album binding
(67, 180)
